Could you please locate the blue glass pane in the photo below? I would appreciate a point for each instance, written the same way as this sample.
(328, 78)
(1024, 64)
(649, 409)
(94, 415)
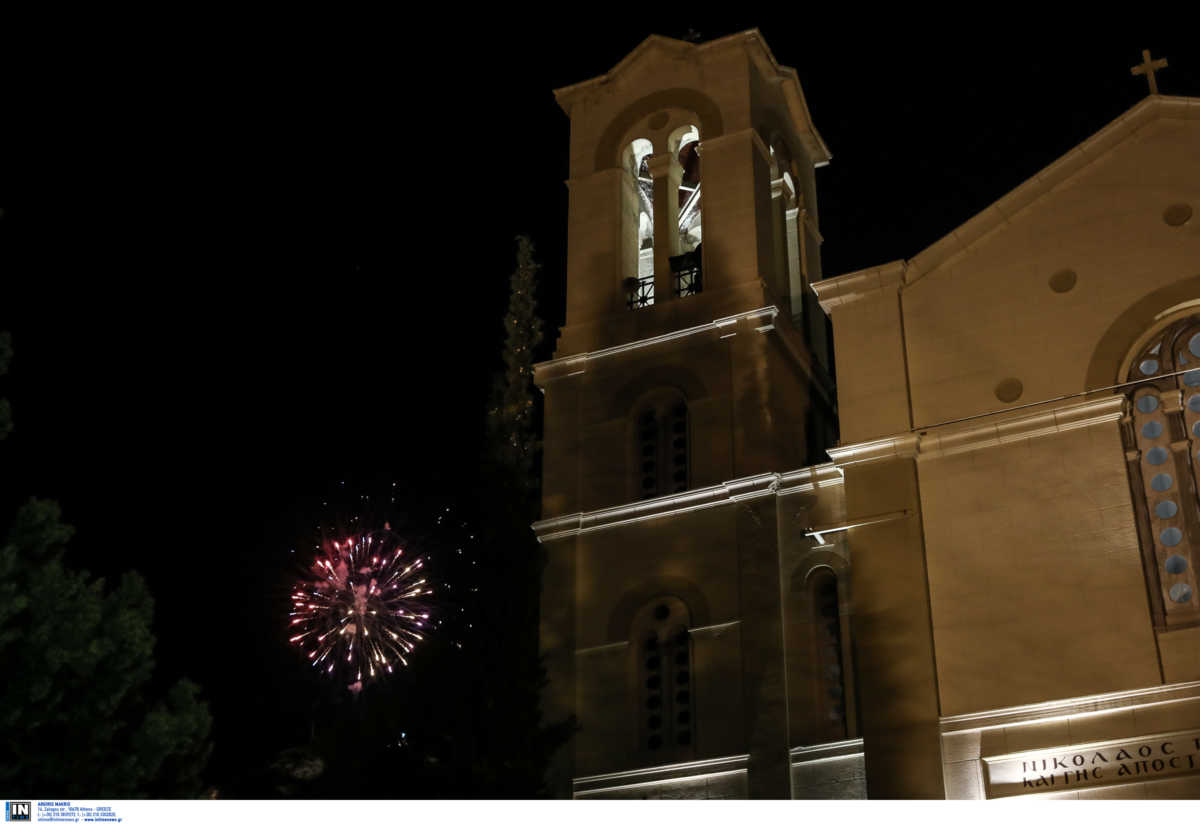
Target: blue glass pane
(1194, 403)
(1181, 593)
(1191, 378)
(1194, 345)
(1176, 565)
(1196, 429)
(1166, 509)
(1170, 536)
(1161, 483)
(1148, 367)
(1147, 403)
(1152, 429)
(1157, 456)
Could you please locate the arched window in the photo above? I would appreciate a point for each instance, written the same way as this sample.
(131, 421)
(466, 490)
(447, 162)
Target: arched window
(686, 273)
(638, 209)
(661, 442)
(829, 686)
(662, 644)
(685, 146)
(1162, 438)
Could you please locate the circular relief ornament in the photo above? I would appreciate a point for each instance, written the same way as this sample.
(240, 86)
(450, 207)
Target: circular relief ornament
(1177, 214)
(1063, 281)
(1008, 390)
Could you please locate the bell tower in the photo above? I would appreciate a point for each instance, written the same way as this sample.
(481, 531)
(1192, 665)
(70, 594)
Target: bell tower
(689, 391)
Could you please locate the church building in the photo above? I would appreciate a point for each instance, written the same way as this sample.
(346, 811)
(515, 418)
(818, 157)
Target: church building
(966, 571)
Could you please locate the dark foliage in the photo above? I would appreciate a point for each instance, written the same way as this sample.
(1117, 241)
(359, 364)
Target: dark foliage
(76, 719)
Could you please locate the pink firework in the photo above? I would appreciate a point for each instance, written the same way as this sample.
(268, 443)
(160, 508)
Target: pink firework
(358, 611)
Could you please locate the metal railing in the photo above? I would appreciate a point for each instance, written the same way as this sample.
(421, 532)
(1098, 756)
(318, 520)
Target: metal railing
(639, 292)
(686, 274)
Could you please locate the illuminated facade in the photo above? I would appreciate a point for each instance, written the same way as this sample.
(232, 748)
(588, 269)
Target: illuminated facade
(985, 588)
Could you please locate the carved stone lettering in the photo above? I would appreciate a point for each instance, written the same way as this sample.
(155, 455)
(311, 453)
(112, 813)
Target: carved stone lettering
(1139, 759)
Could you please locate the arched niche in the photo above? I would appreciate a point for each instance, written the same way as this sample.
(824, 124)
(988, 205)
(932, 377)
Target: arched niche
(1123, 334)
(661, 667)
(693, 107)
(625, 610)
(679, 378)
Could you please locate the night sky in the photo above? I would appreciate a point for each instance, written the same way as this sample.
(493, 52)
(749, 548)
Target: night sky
(243, 262)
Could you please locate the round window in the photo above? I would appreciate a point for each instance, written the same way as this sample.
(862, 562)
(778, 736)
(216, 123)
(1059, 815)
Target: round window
(1161, 482)
(1171, 536)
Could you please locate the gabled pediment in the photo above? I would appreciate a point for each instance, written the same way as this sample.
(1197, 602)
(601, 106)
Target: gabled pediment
(1033, 192)
(657, 48)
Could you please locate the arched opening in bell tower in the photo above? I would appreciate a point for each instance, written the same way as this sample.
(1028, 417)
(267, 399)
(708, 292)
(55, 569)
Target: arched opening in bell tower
(638, 224)
(684, 148)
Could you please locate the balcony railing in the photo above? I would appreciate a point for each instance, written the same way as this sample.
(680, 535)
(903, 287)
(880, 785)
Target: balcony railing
(639, 292)
(686, 281)
(686, 274)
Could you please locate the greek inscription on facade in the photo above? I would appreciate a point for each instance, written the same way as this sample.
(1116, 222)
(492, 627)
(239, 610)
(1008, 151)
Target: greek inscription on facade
(1139, 760)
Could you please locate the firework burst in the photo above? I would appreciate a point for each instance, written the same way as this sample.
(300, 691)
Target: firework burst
(359, 611)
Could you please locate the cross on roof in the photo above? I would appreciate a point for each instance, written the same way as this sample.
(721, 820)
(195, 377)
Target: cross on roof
(1148, 67)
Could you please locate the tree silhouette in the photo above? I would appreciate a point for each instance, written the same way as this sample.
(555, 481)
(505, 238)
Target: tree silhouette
(75, 720)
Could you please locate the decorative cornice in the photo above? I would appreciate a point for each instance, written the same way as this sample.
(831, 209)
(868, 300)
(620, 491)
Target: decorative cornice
(992, 430)
(721, 327)
(981, 432)
(821, 752)
(902, 445)
(1032, 713)
(666, 772)
(741, 489)
(854, 286)
(809, 479)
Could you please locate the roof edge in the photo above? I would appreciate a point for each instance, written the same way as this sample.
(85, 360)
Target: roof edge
(850, 286)
(794, 99)
(1043, 182)
(565, 94)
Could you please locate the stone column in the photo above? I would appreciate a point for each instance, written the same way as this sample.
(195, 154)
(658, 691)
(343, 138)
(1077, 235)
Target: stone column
(793, 215)
(764, 669)
(781, 192)
(737, 203)
(893, 635)
(666, 173)
(556, 645)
